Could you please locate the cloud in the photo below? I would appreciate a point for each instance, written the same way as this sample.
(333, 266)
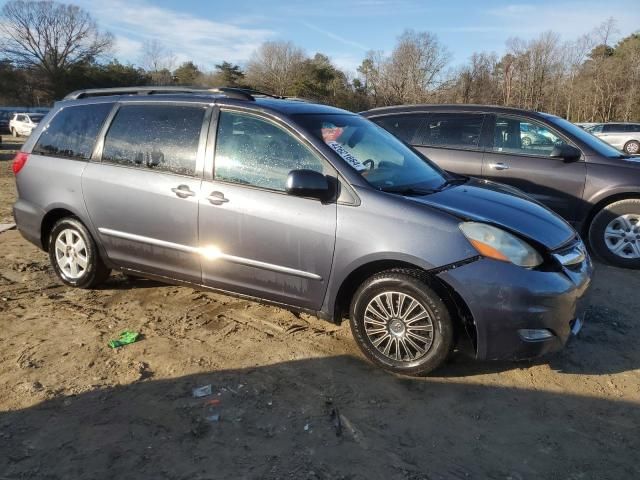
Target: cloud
(204, 41)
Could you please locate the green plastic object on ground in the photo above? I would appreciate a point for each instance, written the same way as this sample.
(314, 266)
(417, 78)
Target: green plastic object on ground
(125, 338)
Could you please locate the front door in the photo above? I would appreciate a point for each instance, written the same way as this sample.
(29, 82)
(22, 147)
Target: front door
(143, 197)
(258, 240)
(520, 157)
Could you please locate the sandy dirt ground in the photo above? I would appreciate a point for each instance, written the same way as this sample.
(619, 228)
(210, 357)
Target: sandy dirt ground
(295, 398)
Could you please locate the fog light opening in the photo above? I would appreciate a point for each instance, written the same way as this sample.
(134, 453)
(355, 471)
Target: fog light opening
(534, 334)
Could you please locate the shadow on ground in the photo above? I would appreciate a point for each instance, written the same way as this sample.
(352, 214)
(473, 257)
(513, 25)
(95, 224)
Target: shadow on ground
(280, 421)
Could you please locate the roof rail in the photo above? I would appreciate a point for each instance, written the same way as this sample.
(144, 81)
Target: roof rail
(237, 93)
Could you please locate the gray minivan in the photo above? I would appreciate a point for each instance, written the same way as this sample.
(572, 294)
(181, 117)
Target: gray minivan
(301, 205)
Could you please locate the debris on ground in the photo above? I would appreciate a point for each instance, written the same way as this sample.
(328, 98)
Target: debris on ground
(7, 226)
(127, 337)
(200, 392)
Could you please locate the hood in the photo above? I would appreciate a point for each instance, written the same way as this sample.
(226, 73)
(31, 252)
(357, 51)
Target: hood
(502, 206)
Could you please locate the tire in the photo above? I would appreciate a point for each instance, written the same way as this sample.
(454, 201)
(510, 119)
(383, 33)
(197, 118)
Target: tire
(614, 233)
(13, 132)
(70, 243)
(402, 357)
(632, 147)
(526, 142)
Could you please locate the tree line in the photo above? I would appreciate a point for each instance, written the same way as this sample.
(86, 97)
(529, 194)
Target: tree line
(48, 49)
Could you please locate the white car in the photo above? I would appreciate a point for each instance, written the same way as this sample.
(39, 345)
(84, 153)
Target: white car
(24, 123)
(623, 136)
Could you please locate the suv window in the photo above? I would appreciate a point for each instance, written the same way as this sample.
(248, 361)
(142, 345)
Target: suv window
(456, 130)
(72, 132)
(254, 151)
(404, 127)
(613, 128)
(161, 137)
(514, 135)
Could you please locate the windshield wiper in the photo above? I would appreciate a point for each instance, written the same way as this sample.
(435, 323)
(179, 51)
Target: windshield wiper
(453, 181)
(409, 192)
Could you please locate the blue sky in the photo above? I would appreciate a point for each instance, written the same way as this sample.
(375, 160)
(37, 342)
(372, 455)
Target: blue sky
(211, 31)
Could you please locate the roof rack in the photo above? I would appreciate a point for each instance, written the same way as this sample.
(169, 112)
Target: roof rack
(236, 93)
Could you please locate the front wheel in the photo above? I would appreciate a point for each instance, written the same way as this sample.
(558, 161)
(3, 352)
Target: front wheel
(74, 255)
(614, 233)
(632, 147)
(400, 323)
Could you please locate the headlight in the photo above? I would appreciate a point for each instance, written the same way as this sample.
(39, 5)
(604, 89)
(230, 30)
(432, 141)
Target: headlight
(495, 243)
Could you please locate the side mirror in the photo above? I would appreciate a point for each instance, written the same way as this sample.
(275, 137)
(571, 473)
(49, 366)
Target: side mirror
(308, 183)
(568, 153)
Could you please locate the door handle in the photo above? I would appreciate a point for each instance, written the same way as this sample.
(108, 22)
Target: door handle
(499, 166)
(217, 198)
(183, 191)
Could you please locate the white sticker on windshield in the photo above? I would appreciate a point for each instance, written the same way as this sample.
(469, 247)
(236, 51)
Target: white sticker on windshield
(350, 159)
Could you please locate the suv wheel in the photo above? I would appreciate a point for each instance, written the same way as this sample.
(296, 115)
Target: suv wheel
(632, 147)
(13, 132)
(614, 233)
(400, 323)
(74, 255)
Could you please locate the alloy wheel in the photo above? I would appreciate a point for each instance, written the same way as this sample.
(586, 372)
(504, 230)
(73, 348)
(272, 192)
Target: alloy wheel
(398, 326)
(622, 236)
(71, 253)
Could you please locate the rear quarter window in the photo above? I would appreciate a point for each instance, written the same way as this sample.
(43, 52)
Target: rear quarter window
(72, 132)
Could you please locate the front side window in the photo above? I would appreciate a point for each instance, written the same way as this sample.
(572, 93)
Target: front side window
(159, 137)
(523, 136)
(454, 130)
(405, 127)
(383, 160)
(253, 151)
(72, 132)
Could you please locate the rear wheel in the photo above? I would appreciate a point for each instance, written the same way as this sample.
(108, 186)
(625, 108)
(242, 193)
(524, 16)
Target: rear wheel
(400, 323)
(74, 255)
(614, 233)
(632, 147)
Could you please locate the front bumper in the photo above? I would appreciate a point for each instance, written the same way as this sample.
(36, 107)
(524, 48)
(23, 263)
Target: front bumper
(504, 298)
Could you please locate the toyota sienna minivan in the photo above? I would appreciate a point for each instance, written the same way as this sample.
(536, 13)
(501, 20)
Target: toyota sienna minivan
(304, 206)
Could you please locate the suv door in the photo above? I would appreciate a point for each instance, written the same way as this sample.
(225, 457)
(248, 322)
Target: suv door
(450, 139)
(142, 196)
(261, 241)
(519, 156)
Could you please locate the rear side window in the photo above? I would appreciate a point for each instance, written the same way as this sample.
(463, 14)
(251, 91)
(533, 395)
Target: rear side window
(613, 128)
(404, 127)
(455, 130)
(159, 137)
(72, 132)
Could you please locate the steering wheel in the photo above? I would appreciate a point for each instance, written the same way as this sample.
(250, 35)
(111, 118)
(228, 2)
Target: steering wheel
(369, 163)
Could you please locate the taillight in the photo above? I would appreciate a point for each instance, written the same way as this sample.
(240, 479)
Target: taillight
(19, 161)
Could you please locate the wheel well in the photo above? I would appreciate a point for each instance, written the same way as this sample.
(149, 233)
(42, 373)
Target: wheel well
(49, 221)
(460, 313)
(603, 203)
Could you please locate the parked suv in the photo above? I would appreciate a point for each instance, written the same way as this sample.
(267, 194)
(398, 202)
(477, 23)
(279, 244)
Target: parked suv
(623, 136)
(304, 206)
(591, 184)
(24, 123)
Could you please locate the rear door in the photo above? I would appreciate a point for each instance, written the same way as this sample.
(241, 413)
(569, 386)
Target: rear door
(143, 195)
(614, 134)
(258, 240)
(519, 156)
(450, 139)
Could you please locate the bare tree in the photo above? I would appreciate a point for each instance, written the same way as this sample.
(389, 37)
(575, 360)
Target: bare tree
(158, 61)
(275, 67)
(51, 38)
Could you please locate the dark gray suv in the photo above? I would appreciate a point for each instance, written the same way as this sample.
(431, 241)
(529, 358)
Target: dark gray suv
(590, 183)
(300, 205)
